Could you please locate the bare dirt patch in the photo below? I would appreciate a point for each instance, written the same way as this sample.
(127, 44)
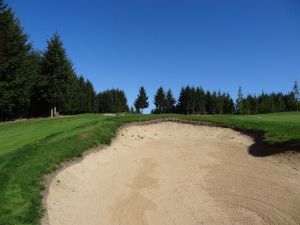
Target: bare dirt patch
(172, 173)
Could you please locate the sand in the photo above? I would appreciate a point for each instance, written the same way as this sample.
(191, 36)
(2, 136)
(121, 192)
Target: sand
(175, 174)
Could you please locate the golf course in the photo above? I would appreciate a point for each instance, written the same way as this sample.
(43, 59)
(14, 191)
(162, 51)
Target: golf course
(149, 112)
(33, 149)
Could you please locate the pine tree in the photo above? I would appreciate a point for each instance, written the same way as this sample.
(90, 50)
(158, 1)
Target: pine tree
(281, 104)
(90, 96)
(239, 101)
(188, 100)
(182, 101)
(37, 93)
(141, 102)
(219, 103)
(192, 100)
(60, 76)
(79, 102)
(228, 106)
(3, 21)
(170, 102)
(201, 100)
(214, 102)
(159, 100)
(15, 67)
(112, 101)
(296, 95)
(289, 101)
(209, 103)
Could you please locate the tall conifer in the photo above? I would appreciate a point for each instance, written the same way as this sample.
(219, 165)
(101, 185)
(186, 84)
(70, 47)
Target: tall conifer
(60, 76)
(141, 102)
(159, 100)
(170, 102)
(16, 65)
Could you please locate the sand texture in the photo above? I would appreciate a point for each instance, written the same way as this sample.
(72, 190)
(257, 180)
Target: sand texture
(176, 174)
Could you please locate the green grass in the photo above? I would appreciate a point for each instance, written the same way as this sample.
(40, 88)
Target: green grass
(277, 127)
(30, 149)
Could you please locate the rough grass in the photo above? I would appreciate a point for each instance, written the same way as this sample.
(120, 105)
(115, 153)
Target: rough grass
(30, 149)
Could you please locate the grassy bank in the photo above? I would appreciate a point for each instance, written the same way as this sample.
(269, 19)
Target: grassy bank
(277, 127)
(30, 149)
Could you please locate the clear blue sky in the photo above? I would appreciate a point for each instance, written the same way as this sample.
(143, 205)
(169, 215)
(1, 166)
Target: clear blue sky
(217, 44)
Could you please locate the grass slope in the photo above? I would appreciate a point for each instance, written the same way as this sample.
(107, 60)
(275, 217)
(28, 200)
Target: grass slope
(30, 149)
(277, 127)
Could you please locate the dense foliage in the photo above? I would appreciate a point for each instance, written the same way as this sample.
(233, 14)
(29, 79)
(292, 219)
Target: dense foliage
(34, 84)
(31, 82)
(18, 69)
(141, 102)
(160, 100)
(195, 100)
(268, 103)
(198, 101)
(111, 101)
(164, 102)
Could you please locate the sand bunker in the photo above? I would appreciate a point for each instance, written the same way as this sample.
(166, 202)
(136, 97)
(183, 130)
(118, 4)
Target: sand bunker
(179, 174)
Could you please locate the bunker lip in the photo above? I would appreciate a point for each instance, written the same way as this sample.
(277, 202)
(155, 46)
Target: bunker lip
(258, 148)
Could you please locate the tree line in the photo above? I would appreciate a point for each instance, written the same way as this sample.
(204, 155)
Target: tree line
(111, 101)
(268, 103)
(33, 82)
(195, 100)
(37, 83)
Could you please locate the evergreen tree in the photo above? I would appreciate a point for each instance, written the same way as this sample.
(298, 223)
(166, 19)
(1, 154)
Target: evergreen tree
(290, 102)
(38, 82)
(239, 101)
(159, 100)
(249, 105)
(281, 103)
(80, 100)
(209, 103)
(228, 106)
(84, 99)
(15, 67)
(132, 111)
(112, 101)
(189, 100)
(170, 102)
(214, 102)
(90, 96)
(60, 76)
(182, 105)
(200, 100)
(296, 95)
(192, 100)
(219, 103)
(31, 84)
(141, 102)
(195, 100)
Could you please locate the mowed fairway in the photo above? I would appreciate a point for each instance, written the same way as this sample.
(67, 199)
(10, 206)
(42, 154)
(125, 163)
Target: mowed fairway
(30, 149)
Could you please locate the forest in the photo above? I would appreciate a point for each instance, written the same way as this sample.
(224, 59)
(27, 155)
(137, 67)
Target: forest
(34, 82)
(195, 100)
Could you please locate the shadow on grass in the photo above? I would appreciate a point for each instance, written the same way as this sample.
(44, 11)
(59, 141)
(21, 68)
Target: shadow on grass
(258, 149)
(262, 149)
